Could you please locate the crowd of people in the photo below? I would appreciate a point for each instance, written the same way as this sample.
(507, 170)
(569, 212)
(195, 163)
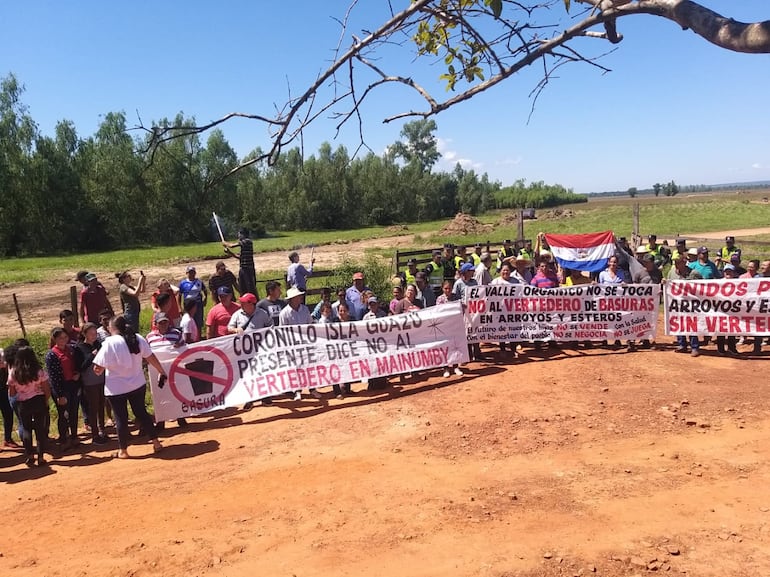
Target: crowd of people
(97, 369)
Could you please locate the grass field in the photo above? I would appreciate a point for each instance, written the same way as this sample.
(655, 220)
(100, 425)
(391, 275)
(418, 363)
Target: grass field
(661, 215)
(36, 269)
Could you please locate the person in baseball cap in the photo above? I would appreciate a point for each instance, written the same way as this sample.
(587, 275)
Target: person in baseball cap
(408, 275)
(735, 261)
(354, 297)
(219, 315)
(726, 251)
(248, 298)
(374, 309)
(703, 266)
(160, 317)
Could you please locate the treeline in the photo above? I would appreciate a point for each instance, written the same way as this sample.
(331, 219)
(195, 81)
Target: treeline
(535, 195)
(65, 193)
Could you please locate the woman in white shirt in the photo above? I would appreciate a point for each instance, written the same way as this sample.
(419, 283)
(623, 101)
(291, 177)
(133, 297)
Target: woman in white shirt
(121, 357)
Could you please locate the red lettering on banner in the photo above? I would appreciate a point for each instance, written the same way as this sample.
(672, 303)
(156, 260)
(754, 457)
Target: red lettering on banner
(359, 369)
(477, 306)
(711, 289)
(683, 324)
(764, 286)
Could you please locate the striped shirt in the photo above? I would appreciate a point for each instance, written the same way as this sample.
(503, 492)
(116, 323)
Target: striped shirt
(216, 281)
(157, 339)
(246, 257)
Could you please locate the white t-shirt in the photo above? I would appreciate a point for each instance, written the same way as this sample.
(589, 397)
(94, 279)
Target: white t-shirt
(301, 316)
(188, 326)
(124, 372)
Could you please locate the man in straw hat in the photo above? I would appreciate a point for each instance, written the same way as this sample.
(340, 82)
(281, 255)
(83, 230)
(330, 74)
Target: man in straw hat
(296, 313)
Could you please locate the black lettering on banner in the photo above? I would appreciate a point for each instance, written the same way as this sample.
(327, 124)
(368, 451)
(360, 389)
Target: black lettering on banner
(377, 345)
(404, 341)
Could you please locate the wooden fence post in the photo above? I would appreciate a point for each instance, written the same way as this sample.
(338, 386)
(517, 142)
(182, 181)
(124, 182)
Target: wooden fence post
(18, 316)
(74, 304)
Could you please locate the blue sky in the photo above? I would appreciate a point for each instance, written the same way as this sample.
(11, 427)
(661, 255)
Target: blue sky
(673, 107)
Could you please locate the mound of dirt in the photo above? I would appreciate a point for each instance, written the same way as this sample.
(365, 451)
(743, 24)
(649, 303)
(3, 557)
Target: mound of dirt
(509, 219)
(465, 224)
(556, 214)
(396, 228)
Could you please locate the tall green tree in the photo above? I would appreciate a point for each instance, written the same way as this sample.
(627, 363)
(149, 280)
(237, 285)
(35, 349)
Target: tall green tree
(17, 135)
(419, 146)
(112, 177)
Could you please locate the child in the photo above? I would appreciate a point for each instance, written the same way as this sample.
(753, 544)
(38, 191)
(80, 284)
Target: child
(446, 293)
(188, 326)
(326, 297)
(103, 331)
(325, 312)
(29, 382)
(374, 311)
(443, 298)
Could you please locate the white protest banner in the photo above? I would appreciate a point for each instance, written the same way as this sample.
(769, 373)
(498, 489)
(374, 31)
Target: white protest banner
(231, 370)
(718, 307)
(590, 312)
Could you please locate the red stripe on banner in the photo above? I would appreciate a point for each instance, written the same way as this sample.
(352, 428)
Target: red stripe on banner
(586, 240)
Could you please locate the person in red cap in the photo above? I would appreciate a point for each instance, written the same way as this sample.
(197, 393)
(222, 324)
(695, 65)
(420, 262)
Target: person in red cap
(355, 297)
(249, 317)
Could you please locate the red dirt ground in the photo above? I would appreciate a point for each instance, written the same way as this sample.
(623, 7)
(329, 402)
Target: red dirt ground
(570, 462)
(564, 462)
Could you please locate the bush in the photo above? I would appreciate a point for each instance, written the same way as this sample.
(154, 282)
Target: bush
(376, 272)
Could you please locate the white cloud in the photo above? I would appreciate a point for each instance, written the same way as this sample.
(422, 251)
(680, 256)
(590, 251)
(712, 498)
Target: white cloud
(510, 161)
(469, 164)
(449, 158)
(756, 166)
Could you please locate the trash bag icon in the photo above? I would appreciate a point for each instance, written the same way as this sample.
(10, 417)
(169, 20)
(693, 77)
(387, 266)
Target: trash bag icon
(203, 367)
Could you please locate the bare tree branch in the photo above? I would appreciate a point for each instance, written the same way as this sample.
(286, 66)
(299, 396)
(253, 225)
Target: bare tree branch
(487, 49)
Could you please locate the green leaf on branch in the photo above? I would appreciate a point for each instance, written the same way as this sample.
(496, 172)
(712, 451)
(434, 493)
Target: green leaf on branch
(497, 7)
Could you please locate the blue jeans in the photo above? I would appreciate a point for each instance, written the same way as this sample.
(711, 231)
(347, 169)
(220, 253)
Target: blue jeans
(681, 341)
(15, 406)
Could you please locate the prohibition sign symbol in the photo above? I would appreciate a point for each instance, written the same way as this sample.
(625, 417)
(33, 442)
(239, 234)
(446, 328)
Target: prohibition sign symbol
(198, 372)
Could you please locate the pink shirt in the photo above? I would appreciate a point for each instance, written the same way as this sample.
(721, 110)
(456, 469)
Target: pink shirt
(27, 391)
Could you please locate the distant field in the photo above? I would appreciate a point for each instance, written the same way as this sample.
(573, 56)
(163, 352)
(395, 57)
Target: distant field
(37, 269)
(661, 215)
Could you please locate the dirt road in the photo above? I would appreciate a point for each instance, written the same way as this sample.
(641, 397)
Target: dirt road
(561, 463)
(40, 303)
